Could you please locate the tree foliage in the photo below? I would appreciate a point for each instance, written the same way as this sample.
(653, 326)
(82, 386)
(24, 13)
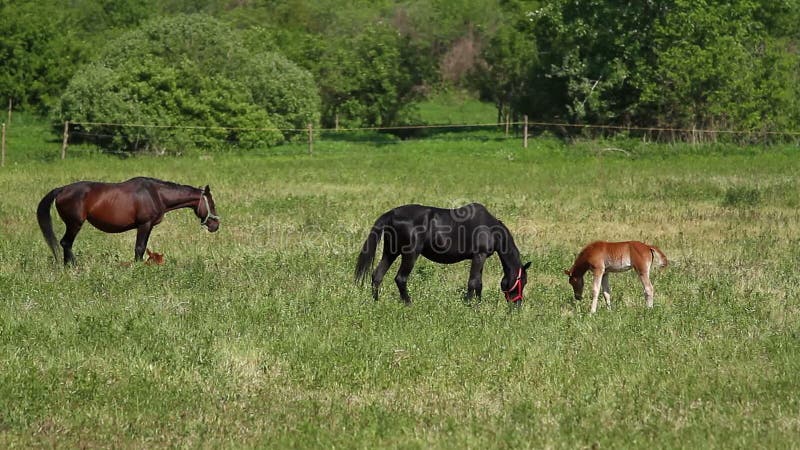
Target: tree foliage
(38, 54)
(180, 74)
(46, 41)
(371, 60)
(652, 63)
(368, 79)
(677, 63)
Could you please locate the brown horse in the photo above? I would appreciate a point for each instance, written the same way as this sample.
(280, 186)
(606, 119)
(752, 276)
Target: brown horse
(139, 203)
(604, 257)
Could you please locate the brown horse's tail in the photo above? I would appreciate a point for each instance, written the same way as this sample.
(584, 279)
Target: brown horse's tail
(662, 258)
(367, 255)
(46, 222)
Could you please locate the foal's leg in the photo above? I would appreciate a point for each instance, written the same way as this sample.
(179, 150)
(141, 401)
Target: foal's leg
(606, 290)
(406, 264)
(475, 283)
(644, 277)
(142, 235)
(380, 270)
(596, 281)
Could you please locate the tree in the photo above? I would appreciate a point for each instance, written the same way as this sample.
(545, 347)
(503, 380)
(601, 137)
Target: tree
(365, 79)
(369, 78)
(717, 66)
(677, 63)
(505, 77)
(37, 51)
(46, 41)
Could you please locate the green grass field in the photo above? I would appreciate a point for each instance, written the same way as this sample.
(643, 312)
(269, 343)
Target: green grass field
(256, 336)
(456, 108)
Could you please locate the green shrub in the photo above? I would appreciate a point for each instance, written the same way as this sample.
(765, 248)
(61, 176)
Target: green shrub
(187, 82)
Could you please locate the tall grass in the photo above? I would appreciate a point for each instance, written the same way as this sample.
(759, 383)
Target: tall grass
(256, 336)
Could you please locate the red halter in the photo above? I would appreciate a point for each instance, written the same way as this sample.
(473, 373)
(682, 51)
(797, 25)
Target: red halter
(517, 285)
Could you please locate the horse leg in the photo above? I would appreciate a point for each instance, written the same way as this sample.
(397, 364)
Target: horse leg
(606, 290)
(406, 264)
(142, 235)
(380, 270)
(648, 288)
(596, 281)
(73, 227)
(475, 283)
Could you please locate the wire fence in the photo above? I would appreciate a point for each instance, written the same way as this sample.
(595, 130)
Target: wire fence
(131, 133)
(129, 136)
(502, 130)
(616, 128)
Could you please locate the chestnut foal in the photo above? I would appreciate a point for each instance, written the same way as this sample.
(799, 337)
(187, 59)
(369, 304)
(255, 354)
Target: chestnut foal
(602, 258)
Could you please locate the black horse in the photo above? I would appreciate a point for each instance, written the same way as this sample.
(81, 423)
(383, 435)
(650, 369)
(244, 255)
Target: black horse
(139, 203)
(444, 236)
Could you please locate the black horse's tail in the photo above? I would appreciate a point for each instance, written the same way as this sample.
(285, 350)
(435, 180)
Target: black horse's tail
(367, 254)
(45, 221)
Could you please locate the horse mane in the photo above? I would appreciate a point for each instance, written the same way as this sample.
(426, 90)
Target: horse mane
(507, 248)
(169, 184)
(581, 264)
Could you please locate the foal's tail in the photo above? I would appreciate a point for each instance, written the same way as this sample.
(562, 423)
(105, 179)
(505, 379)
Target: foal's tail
(46, 222)
(662, 258)
(367, 254)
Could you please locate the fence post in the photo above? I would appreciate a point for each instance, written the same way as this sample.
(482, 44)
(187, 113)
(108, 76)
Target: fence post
(525, 132)
(310, 139)
(3, 148)
(10, 104)
(64, 141)
(507, 123)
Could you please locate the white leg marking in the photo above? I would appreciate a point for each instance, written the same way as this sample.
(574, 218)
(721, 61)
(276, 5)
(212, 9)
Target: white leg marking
(598, 276)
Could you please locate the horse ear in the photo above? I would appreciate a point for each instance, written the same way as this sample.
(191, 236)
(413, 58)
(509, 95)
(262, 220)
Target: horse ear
(528, 264)
(207, 189)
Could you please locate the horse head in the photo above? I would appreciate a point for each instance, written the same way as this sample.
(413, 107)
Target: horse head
(207, 211)
(576, 282)
(517, 282)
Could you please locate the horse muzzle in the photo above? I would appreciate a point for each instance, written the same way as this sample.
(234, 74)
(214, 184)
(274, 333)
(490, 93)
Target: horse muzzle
(511, 298)
(212, 225)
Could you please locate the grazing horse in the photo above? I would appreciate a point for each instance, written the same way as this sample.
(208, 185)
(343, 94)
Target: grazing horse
(444, 236)
(139, 203)
(603, 258)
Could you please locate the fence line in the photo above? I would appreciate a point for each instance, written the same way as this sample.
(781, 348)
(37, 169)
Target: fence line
(524, 126)
(309, 130)
(434, 126)
(198, 127)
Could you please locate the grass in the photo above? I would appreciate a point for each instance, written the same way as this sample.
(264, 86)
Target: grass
(256, 336)
(454, 107)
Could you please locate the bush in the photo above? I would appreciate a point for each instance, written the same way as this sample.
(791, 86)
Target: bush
(184, 82)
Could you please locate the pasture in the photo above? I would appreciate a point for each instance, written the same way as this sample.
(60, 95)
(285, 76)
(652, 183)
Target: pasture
(256, 336)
